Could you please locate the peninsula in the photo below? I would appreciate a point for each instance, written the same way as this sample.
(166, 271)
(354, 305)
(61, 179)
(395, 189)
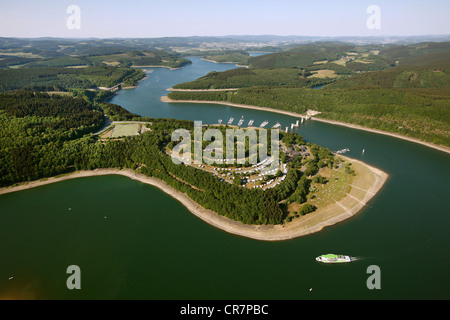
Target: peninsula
(312, 188)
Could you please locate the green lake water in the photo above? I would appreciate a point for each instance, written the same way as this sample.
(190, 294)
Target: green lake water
(132, 241)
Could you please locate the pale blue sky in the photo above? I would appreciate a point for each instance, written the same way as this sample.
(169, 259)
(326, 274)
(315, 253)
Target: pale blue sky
(142, 19)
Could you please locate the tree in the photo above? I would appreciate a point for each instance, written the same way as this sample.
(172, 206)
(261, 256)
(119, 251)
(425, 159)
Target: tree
(307, 208)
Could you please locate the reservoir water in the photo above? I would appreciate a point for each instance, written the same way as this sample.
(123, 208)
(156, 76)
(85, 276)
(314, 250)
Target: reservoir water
(132, 241)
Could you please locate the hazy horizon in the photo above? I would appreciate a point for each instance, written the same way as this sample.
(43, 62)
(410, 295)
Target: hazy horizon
(230, 36)
(175, 18)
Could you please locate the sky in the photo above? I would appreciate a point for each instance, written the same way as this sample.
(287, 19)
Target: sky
(168, 18)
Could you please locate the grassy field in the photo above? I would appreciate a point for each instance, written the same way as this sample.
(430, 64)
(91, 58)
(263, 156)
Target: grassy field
(336, 188)
(122, 130)
(323, 74)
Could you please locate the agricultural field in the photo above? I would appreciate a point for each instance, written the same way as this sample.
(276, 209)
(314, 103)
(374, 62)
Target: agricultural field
(323, 74)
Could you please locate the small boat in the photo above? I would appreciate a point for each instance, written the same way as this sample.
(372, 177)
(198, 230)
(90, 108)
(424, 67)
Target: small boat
(333, 258)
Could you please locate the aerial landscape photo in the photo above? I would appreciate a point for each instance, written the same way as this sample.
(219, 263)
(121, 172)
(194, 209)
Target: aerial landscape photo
(253, 151)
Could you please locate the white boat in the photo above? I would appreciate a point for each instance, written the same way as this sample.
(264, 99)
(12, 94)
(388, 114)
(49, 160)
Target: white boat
(333, 258)
(342, 151)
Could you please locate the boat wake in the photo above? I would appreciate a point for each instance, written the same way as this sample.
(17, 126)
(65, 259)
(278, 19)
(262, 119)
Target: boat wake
(359, 258)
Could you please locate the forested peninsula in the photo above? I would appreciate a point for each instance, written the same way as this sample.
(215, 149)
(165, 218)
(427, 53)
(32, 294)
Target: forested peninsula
(53, 135)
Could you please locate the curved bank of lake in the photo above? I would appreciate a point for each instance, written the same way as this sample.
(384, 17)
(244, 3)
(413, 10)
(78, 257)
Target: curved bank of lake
(328, 215)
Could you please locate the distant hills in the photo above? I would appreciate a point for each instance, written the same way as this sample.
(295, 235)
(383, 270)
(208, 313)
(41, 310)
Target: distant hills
(47, 46)
(398, 88)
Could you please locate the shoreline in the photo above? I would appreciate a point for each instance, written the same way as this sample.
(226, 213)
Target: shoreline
(201, 90)
(295, 114)
(137, 83)
(229, 62)
(328, 215)
(154, 66)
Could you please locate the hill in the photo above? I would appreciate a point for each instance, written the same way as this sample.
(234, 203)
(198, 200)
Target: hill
(67, 78)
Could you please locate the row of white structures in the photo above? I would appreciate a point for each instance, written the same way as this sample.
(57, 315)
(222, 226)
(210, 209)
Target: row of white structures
(269, 184)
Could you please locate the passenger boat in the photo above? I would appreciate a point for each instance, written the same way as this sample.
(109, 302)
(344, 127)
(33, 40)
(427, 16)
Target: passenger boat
(333, 258)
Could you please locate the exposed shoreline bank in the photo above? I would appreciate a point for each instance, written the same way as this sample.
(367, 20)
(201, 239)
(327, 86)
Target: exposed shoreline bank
(155, 66)
(294, 114)
(201, 90)
(228, 62)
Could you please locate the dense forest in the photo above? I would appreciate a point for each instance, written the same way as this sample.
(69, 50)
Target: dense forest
(90, 77)
(400, 77)
(119, 59)
(243, 78)
(342, 57)
(33, 118)
(224, 56)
